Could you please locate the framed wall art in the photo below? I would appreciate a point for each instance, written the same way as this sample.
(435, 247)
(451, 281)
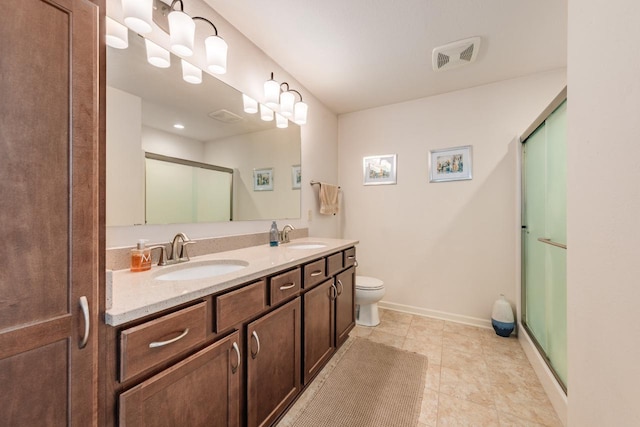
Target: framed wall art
(263, 179)
(450, 164)
(296, 177)
(378, 170)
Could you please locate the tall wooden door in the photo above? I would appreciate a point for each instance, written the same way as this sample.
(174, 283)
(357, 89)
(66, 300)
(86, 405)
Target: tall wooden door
(48, 212)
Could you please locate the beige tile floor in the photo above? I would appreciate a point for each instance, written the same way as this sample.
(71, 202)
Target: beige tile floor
(474, 377)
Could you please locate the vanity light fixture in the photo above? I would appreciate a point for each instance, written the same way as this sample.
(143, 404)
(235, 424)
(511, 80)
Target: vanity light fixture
(266, 113)
(281, 98)
(182, 31)
(250, 105)
(117, 35)
(157, 55)
(281, 121)
(191, 73)
(138, 15)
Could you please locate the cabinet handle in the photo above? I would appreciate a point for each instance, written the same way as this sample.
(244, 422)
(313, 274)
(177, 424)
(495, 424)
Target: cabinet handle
(254, 335)
(341, 287)
(84, 306)
(157, 344)
(316, 273)
(334, 292)
(287, 286)
(351, 257)
(234, 369)
(355, 263)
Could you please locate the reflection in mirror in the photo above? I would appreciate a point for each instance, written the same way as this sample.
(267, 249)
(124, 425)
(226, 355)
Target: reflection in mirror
(143, 105)
(182, 191)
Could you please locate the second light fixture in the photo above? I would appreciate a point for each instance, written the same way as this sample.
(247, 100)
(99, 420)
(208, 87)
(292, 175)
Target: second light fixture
(281, 98)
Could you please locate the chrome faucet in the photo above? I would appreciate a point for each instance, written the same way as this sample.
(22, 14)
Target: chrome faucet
(284, 234)
(177, 251)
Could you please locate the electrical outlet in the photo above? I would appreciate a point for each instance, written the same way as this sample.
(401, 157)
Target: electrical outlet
(310, 215)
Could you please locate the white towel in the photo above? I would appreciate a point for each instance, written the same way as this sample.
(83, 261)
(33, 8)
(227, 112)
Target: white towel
(328, 195)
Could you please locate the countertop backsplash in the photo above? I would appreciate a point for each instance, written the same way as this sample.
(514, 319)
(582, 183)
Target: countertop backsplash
(119, 258)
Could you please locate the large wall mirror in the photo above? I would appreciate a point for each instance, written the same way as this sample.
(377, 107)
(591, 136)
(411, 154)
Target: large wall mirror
(209, 168)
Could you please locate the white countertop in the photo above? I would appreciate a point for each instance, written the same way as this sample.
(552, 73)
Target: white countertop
(131, 296)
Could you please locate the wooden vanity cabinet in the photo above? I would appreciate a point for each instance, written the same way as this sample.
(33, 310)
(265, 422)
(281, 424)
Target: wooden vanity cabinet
(202, 390)
(345, 304)
(273, 363)
(319, 329)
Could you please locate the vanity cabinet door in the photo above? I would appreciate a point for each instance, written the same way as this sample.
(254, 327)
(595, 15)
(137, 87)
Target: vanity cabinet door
(319, 330)
(273, 363)
(49, 217)
(202, 390)
(345, 305)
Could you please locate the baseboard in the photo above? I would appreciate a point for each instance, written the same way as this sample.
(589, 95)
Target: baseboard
(467, 320)
(556, 395)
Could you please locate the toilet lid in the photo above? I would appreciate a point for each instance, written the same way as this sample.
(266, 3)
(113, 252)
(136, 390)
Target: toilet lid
(368, 283)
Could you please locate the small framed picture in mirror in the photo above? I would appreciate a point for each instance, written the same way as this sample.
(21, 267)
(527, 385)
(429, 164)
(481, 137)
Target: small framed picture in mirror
(263, 179)
(296, 177)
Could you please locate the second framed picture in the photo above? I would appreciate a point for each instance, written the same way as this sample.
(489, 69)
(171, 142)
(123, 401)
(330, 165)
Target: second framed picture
(263, 179)
(379, 170)
(450, 164)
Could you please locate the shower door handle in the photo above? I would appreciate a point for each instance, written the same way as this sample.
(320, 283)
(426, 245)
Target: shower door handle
(552, 243)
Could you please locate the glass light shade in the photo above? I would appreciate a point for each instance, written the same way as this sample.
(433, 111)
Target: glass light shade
(271, 93)
(266, 113)
(156, 55)
(117, 34)
(216, 54)
(182, 30)
(281, 122)
(250, 104)
(138, 15)
(287, 99)
(300, 113)
(191, 73)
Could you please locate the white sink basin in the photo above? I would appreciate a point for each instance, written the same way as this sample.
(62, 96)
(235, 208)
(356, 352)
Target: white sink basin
(203, 270)
(306, 245)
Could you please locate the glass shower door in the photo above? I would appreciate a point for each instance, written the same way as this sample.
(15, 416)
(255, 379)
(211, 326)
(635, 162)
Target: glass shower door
(544, 240)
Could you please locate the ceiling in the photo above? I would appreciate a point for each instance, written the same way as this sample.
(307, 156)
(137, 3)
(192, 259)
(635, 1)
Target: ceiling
(358, 54)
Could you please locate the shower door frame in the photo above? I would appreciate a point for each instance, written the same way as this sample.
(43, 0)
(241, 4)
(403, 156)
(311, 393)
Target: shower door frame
(557, 101)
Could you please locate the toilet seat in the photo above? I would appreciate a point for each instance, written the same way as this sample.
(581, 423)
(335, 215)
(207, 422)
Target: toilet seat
(367, 283)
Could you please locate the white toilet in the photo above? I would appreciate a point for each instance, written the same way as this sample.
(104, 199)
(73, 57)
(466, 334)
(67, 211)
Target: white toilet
(369, 291)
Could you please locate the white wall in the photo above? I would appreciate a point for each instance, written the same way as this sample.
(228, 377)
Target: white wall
(169, 144)
(603, 189)
(125, 184)
(277, 149)
(445, 249)
(248, 68)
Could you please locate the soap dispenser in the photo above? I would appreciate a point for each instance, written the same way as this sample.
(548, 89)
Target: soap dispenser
(274, 235)
(141, 257)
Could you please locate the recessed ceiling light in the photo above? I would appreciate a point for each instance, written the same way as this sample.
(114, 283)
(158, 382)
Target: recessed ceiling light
(178, 126)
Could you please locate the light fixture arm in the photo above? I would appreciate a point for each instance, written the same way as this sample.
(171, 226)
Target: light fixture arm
(173, 3)
(195, 18)
(288, 88)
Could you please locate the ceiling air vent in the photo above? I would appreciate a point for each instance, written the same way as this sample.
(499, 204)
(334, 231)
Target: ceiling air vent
(225, 116)
(455, 54)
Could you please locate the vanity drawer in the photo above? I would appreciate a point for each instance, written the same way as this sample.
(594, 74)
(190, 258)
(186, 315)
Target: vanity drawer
(241, 304)
(314, 273)
(144, 346)
(334, 264)
(349, 257)
(285, 285)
